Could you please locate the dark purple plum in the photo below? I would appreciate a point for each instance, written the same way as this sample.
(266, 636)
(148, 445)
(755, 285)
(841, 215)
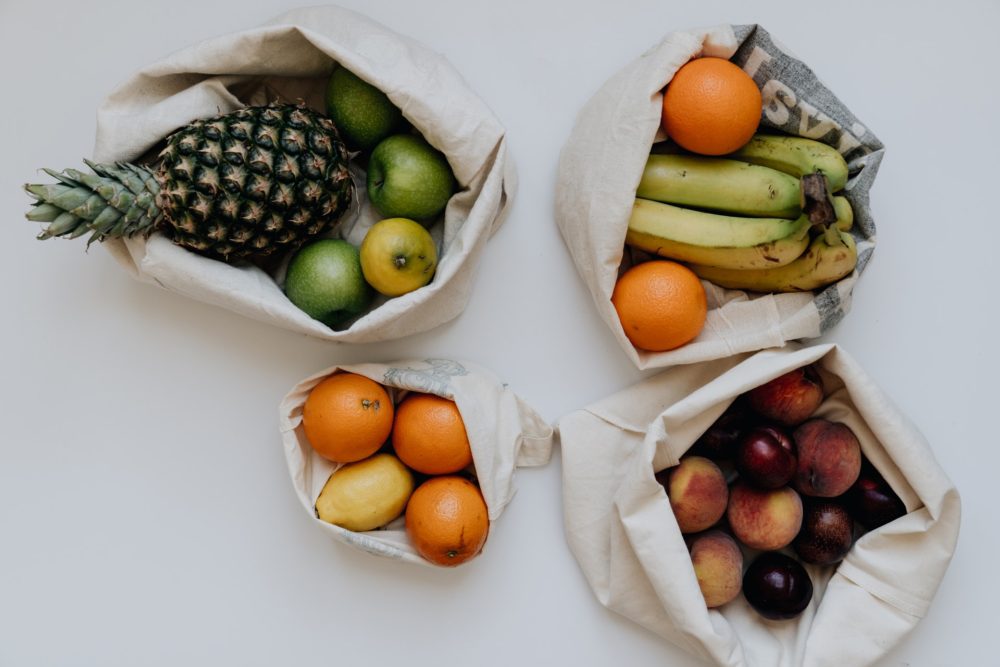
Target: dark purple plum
(871, 501)
(719, 441)
(826, 535)
(777, 586)
(765, 457)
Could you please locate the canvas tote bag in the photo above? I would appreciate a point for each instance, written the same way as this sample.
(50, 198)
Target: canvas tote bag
(290, 58)
(622, 531)
(602, 162)
(504, 433)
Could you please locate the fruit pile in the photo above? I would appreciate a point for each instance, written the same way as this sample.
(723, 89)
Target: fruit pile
(752, 478)
(260, 182)
(413, 457)
(407, 181)
(738, 208)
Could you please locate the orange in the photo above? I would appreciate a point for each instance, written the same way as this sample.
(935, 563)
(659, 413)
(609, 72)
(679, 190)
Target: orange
(347, 417)
(711, 107)
(447, 520)
(429, 435)
(661, 305)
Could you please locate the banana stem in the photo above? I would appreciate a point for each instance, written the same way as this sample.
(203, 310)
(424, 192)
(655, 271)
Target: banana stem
(817, 201)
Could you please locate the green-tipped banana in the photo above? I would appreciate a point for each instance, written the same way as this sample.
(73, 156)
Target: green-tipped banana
(716, 240)
(797, 156)
(831, 256)
(718, 184)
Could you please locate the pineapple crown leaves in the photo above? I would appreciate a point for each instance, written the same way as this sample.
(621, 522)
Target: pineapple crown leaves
(115, 200)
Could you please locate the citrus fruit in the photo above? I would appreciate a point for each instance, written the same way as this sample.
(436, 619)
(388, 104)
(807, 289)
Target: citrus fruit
(398, 256)
(363, 113)
(661, 305)
(347, 417)
(429, 435)
(447, 520)
(324, 279)
(711, 106)
(367, 494)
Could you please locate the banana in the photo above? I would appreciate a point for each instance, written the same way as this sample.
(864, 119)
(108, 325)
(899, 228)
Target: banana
(718, 184)
(831, 256)
(716, 240)
(845, 214)
(797, 156)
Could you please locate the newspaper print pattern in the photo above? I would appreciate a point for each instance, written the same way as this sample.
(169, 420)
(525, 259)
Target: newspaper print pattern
(796, 102)
(435, 379)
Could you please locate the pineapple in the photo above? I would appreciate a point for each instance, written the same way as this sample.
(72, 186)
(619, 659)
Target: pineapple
(235, 187)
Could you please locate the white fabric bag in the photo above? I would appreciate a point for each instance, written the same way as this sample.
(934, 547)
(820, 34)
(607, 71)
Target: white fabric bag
(291, 58)
(504, 433)
(622, 531)
(602, 162)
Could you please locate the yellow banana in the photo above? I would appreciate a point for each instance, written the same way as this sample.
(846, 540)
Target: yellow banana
(706, 229)
(797, 156)
(831, 256)
(716, 240)
(718, 184)
(845, 214)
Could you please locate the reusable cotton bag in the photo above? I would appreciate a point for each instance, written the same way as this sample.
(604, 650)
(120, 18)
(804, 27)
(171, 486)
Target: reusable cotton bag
(504, 433)
(291, 58)
(602, 162)
(622, 531)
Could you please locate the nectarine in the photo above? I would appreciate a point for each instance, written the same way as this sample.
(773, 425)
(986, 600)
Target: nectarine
(718, 564)
(829, 458)
(698, 493)
(764, 519)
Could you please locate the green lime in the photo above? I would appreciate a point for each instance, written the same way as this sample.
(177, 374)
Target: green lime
(363, 113)
(324, 279)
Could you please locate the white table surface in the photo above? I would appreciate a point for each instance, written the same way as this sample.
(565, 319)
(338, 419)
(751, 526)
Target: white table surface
(146, 513)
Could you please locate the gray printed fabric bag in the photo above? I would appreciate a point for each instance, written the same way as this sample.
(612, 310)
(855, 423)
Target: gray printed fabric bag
(290, 58)
(621, 529)
(601, 164)
(504, 433)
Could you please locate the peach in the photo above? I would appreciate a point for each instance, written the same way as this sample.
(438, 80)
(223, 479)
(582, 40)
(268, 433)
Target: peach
(790, 398)
(697, 491)
(767, 520)
(718, 564)
(829, 458)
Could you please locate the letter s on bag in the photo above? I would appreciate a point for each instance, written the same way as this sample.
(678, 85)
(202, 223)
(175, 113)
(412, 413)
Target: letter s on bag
(778, 99)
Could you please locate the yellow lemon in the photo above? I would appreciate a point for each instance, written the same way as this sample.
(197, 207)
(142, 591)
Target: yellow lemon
(366, 495)
(398, 256)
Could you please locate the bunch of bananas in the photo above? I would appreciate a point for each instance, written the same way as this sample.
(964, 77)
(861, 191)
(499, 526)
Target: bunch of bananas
(740, 221)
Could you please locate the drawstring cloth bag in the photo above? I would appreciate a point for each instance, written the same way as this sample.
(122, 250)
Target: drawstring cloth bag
(622, 531)
(291, 58)
(602, 162)
(504, 433)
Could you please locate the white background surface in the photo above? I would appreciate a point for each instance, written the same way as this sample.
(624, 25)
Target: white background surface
(145, 510)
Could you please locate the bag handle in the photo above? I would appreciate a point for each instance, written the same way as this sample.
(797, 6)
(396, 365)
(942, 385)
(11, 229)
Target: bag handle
(536, 437)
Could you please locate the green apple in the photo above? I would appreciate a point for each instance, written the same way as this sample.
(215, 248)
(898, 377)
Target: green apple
(363, 113)
(408, 178)
(398, 256)
(324, 279)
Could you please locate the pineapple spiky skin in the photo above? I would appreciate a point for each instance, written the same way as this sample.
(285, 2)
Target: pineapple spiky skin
(239, 186)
